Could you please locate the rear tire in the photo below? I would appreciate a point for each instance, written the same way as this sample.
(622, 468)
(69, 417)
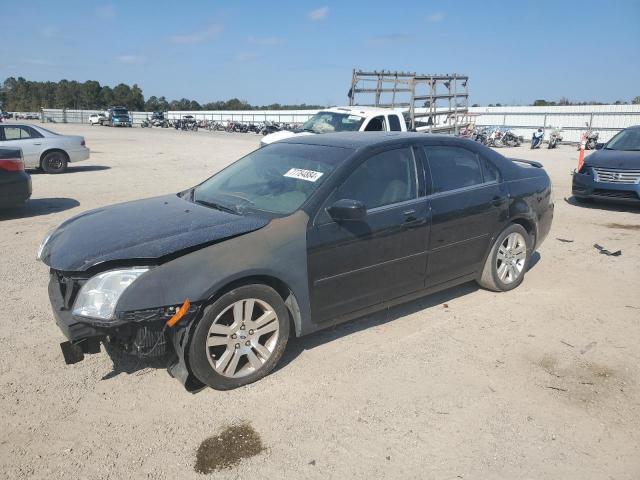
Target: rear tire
(54, 162)
(508, 260)
(215, 357)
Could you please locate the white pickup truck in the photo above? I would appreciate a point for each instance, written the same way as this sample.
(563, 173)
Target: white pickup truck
(345, 119)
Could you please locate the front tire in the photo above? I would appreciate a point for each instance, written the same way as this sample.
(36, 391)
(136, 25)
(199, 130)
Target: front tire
(54, 162)
(240, 337)
(508, 259)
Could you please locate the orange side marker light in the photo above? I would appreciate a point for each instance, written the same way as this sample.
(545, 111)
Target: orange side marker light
(179, 314)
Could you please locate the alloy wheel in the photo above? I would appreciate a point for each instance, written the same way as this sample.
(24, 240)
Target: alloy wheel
(511, 258)
(242, 338)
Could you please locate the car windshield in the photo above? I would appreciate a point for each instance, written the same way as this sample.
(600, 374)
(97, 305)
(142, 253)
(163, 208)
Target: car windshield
(625, 140)
(325, 122)
(277, 178)
(120, 112)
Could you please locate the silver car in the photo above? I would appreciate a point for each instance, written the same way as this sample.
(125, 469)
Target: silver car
(43, 148)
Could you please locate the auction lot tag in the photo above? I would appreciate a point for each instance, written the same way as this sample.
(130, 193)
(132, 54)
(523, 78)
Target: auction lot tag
(300, 174)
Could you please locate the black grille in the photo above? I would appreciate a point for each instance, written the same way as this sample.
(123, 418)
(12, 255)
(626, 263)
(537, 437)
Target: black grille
(616, 194)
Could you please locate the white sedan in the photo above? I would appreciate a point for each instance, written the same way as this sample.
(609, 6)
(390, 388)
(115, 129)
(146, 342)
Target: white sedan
(96, 118)
(43, 148)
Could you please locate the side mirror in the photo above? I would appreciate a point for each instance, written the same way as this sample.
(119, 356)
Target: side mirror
(347, 210)
(599, 146)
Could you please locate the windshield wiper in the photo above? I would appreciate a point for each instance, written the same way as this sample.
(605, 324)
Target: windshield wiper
(217, 206)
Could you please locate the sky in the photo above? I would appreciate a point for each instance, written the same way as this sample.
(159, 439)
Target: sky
(304, 51)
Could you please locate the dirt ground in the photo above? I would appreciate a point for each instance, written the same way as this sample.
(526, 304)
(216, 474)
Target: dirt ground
(540, 382)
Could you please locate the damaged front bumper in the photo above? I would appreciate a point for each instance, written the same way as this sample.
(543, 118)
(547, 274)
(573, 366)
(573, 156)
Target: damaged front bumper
(143, 333)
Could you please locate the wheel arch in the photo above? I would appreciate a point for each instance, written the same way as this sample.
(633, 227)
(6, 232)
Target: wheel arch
(281, 288)
(529, 225)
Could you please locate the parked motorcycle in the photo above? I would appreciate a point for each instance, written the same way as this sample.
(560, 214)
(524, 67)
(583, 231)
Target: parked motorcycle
(495, 138)
(555, 137)
(591, 138)
(536, 139)
(510, 139)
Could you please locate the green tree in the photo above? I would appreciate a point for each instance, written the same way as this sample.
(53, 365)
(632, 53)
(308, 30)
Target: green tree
(136, 99)
(152, 104)
(90, 96)
(106, 97)
(636, 101)
(121, 95)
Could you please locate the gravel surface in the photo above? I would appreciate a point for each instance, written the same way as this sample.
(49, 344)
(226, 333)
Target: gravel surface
(540, 382)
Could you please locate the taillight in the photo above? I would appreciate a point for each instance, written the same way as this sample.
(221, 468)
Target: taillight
(11, 164)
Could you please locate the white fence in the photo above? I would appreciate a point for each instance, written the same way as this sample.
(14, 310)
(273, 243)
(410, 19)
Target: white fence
(605, 119)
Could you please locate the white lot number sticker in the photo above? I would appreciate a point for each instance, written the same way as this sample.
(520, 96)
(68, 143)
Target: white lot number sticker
(301, 174)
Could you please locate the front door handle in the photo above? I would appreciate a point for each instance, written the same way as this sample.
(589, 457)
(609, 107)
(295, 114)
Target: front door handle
(37, 144)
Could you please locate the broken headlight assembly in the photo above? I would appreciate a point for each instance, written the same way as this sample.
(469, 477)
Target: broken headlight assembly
(99, 296)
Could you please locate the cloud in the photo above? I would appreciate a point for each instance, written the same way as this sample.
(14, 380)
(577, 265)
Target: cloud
(200, 36)
(131, 59)
(318, 14)
(265, 41)
(435, 17)
(246, 57)
(106, 11)
(390, 39)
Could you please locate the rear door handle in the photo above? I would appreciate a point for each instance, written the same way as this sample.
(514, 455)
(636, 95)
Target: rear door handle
(410, 219)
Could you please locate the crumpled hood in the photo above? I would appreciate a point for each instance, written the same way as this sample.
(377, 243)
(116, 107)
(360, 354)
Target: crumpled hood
(141, 230)
(281, 135)
(614, 159)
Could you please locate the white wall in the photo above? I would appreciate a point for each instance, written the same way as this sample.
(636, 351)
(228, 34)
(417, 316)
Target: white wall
(606, 119)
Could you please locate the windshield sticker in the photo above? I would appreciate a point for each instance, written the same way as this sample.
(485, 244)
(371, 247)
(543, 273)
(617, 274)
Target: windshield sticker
(300, 174)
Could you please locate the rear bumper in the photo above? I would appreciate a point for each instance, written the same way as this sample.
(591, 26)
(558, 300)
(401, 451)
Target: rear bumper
(584, 186)
(79, 155)
(15, 188)
(544, 224)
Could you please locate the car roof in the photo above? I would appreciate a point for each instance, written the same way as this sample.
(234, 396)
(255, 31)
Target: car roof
(360, 110)
(361, 139)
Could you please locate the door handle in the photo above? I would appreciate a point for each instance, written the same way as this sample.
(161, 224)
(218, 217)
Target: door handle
(37, 143)
(408, 212)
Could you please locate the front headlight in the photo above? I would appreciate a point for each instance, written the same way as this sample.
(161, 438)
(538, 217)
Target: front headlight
(43, 244)
(99, 296)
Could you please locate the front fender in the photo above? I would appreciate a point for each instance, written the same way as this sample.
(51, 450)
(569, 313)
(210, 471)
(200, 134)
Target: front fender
(278, 251)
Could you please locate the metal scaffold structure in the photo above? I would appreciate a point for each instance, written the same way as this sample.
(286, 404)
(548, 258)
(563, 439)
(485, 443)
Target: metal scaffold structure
(433, 103)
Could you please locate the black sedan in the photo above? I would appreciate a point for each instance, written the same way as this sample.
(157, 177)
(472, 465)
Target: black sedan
(15, 183)
(613, 172)
(295, 237)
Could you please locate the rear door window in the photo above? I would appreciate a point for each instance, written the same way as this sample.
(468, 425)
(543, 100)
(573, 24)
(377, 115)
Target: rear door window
(394, 123)
(376, 124)
(489, 170)
(452, 168)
